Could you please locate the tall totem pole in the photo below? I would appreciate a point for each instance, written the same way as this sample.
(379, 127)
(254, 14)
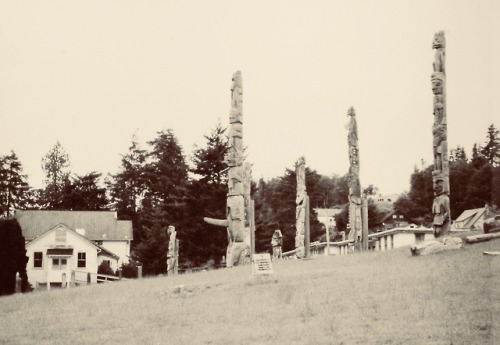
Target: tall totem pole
(301, 211)
(441, 172)
(239, 177)
(355, 220)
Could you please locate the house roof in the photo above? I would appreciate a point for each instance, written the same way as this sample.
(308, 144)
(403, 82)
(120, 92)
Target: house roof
(106, 252)
(98, 225)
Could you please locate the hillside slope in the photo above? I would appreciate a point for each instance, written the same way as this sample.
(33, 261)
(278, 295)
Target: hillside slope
(369, 298)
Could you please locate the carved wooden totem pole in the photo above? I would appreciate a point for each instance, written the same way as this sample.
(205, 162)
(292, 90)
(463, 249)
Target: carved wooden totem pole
(238, 197)
(441, 172)
(173, 252)
(302, 209)
(355, 201)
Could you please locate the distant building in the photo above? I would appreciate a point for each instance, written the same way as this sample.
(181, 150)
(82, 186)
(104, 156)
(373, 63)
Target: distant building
(393, 219)
(385, 201)
(60, 242)
(326, 216)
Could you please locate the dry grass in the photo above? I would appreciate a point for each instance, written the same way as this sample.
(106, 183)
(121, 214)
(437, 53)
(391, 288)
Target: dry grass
(370, 298)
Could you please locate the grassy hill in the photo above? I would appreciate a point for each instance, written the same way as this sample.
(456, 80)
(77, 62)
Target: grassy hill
(370, 298)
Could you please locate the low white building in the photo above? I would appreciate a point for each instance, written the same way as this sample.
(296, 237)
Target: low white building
(380, 241)
(59, 243)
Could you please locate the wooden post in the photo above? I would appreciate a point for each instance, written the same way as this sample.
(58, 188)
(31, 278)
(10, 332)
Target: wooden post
(139, 272)
(176, 257)
(89, 278)
(327, 251)
(119, 274)
(364, 234)
(251, 215)
(307, 231)
(73, 274)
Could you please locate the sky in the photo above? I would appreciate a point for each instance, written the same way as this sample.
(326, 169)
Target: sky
(91, 74)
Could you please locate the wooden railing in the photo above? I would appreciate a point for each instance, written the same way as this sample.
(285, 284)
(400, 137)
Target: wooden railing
(83, 277)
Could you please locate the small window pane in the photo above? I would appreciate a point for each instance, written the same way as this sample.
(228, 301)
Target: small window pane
(82, 259)
(37, 259)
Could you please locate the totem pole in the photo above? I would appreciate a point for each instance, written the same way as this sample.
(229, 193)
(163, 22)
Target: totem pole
(277, 243)
(355, 201)
(173, 251)
(441, 172)
(301, 211)
(238, 197)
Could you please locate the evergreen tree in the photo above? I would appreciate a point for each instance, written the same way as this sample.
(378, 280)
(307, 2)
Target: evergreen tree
(417, 205)
(460, 176)
(164, 200)
(479, 187)
(166, 176)
(208, 161)
(151, 252)
(458, 154)
(83, 193)
(127, 187)
(275, 209)
(55, 164)
(491, 149)
(207, 198)
(495, 186)
(14, 189)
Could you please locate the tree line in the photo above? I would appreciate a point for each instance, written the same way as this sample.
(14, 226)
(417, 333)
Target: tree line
(158, 186)
(474, 182)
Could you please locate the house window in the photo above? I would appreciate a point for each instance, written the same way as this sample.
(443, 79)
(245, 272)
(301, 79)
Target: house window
(419, 237)
(98, 243)
(82, 259)
(394, 216)
(61, 235)
(37, 259)
(59, 264)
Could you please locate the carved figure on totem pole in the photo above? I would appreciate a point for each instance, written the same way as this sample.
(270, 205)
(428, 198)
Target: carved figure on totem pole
(236, 112)
(441, 209)
(439, 44)
(439, 125)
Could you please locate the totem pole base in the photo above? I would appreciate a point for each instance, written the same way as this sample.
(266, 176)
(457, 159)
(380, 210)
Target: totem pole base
(436, 246)
(237, 254)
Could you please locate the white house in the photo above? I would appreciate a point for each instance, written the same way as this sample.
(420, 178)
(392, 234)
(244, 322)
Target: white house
(59, 242)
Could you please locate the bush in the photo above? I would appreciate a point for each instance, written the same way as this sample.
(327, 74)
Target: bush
(130, 270)
(105, 268)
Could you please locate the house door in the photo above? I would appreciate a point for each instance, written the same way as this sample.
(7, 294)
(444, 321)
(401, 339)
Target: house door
(59, 272)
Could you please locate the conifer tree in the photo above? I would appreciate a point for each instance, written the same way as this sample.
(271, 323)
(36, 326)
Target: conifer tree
(207, 198)
(55, 164)
(14, 188)
(491, 149)
(126, 188)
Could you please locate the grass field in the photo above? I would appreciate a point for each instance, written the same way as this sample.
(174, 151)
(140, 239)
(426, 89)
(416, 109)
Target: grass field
(369, 298)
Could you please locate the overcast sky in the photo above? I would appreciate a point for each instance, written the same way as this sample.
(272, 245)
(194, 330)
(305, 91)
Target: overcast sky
(92, 73)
